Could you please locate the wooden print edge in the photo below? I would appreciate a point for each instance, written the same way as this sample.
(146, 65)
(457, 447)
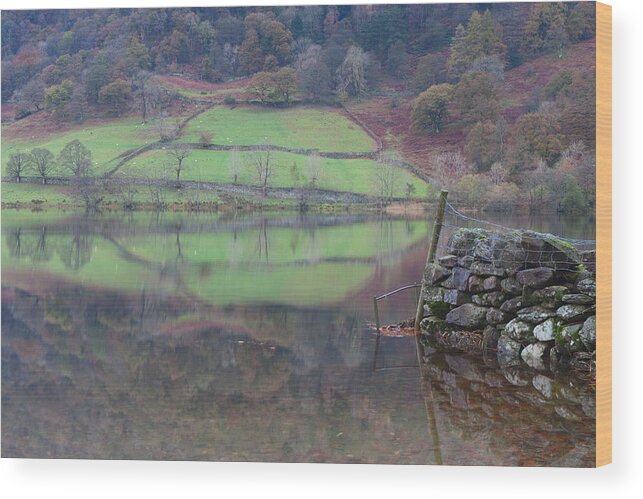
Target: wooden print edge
(603, 234)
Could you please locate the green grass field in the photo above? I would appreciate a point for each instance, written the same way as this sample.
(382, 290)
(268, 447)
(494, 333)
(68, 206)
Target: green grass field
(300, 127)
(348, 175)
(48, 195)
(107, 141)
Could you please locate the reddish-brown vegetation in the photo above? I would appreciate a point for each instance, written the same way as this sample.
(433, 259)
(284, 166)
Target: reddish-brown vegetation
(392, 124)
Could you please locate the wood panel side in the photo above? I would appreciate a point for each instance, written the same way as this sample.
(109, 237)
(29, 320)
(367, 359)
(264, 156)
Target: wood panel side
(604, 234)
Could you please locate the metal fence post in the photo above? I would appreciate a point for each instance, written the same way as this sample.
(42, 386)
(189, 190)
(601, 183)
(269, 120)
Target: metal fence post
(435, 237)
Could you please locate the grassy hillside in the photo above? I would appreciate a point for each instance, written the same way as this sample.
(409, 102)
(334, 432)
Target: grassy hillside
(349, 175)
(107, 139)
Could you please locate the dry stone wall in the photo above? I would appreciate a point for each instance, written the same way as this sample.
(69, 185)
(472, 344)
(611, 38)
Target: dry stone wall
(528, 297)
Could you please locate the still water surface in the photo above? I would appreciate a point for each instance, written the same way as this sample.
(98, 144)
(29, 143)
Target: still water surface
(248, 338)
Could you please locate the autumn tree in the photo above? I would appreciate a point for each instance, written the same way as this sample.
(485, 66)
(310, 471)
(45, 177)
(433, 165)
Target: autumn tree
(178, 153)
(76, 158)
(534, 136)
(431, 70)
(482, 147)
(57, 97)
(43, 162)
(285, 85)
(482, 37)
(314, 78)
(262, 86)
(430, 109)
(18, 164)
(116, 96)
(476, 97)
(30, 98)
(545, 29)
(581, 22)
(251, 57)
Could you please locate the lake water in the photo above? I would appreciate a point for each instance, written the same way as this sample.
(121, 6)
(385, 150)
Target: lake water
(249, 338)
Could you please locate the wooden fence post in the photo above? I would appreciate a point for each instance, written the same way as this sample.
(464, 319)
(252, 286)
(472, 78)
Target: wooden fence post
(435, 237)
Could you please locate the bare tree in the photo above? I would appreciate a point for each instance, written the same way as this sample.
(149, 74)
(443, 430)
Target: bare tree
(263, 166)
(351, 74)
(314, 169)
(386, 180)
(205, 139)
(157, 193)
(166, 129)
(179, 154)
(43, 161)
(235, 165)
(76, 158)
(149, 96)
(498, 173)
(450, 167)
(17, 164)
(126, 191)
(90, 190)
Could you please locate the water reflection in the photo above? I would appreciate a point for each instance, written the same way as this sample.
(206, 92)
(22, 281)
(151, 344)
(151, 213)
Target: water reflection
(246, 338)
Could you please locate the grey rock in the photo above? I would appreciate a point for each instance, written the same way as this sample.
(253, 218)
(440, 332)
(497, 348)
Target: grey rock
(475, 284)
(448, 260)
(572, 312)
(588, 333)
(491, 299)
(566, 413)
(462, 242)
(569, 340)
(544, 385)
(517, 376)
(465, 261)
(587, 286)
(491, 283)
(433, 294)
(512, 305)
(432, 325)
(534, 315)
(518, 330)
(533, 355)
(511, 286)
(579, 299)
(536, 278)
(448, 282)
(455, 297)
(487, 269)
(490, 337)
(545, 330)
(508, 351)
(497, 316)
(435, 273)
(551, 296)
(461, 278)
(468, 316)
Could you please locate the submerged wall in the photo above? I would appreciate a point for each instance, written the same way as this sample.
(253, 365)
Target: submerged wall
(523, 296)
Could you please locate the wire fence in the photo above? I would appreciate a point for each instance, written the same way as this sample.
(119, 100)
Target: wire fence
(510, 247)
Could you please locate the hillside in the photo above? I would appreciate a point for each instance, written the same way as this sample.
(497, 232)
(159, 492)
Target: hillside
(393, 125)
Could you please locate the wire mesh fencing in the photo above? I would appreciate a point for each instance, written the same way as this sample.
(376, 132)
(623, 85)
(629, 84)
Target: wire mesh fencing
(467, 237)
